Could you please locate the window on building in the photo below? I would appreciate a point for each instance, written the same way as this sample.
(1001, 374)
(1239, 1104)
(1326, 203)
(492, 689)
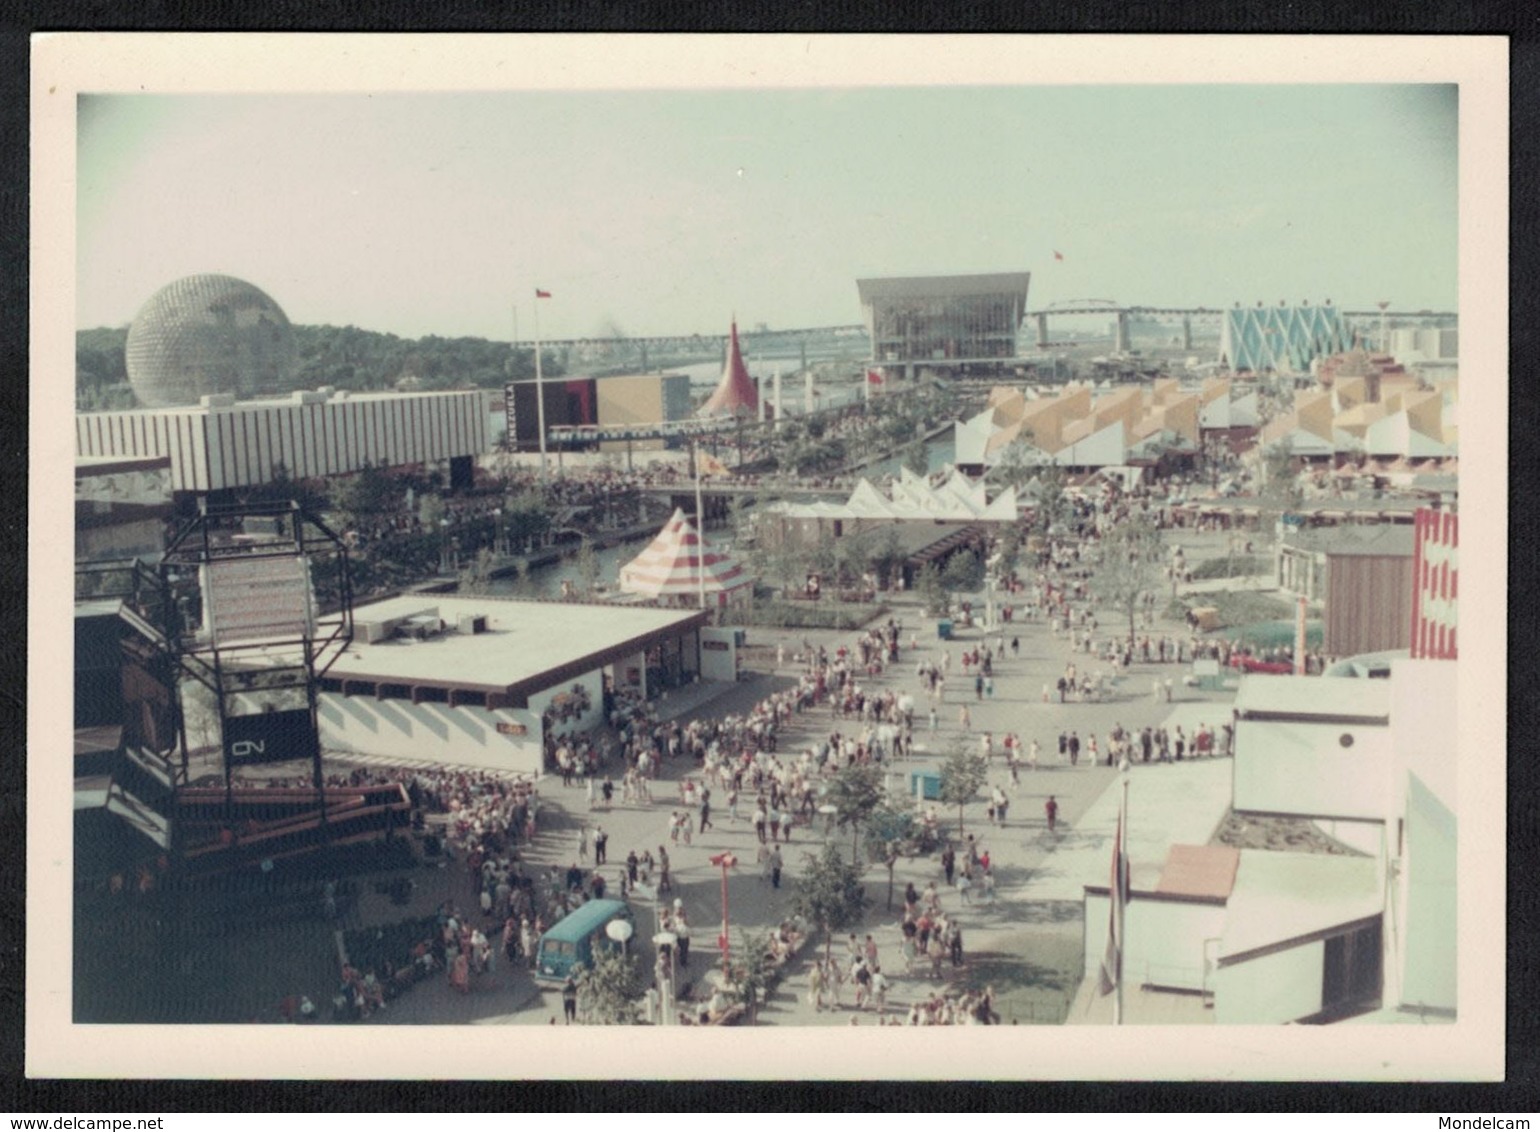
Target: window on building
(1351, 973)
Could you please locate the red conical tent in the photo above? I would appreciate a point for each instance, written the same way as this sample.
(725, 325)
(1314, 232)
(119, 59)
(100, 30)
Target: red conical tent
(735, 395)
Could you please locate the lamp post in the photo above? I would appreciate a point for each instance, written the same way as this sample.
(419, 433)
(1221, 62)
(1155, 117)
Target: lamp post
(724, 861)
(1121, 881)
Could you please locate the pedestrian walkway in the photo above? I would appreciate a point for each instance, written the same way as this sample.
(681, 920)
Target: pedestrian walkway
(688, 700)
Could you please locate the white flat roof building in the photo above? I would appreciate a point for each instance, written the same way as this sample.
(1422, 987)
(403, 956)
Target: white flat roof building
(520, 649)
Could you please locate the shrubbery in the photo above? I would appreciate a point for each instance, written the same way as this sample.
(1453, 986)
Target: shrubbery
(806, 615)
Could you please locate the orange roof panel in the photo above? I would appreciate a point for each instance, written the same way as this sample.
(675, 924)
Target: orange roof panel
(1199, 871)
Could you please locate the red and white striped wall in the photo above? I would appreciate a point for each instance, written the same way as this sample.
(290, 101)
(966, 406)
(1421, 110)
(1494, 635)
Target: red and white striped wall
(1435, 585)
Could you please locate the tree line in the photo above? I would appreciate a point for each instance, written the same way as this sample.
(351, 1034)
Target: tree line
(344, 357)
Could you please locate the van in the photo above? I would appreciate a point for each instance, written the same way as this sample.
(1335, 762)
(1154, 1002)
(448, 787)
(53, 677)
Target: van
(571, 942)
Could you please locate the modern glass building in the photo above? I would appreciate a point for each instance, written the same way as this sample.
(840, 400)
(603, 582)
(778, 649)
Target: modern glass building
(944, 319)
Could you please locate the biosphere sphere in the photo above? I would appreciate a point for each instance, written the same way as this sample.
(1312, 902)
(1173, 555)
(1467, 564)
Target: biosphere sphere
(208, 334)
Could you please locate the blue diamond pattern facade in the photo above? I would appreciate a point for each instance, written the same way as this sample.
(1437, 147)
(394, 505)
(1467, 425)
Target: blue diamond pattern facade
(1284, 339)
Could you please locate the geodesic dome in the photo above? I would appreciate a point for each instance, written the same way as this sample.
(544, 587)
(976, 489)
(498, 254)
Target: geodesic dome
(208, 334)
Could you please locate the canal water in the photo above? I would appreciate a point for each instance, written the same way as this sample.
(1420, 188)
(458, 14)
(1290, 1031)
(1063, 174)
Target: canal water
(545, 581)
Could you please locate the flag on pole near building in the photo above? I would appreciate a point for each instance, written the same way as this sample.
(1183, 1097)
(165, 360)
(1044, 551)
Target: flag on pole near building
(1112, 959)
(539, 294)
(709, 465)
(1058, 257)
(874, 377)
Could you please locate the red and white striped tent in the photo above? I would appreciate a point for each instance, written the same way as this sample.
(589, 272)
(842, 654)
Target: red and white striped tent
(669, 569)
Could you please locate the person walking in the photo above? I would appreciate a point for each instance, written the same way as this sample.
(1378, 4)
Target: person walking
(569, 999)
(965, 718)
(879, 990)
(601, 845)
(682, 932)
(948, 863)
(1051, 809)
(776, 864)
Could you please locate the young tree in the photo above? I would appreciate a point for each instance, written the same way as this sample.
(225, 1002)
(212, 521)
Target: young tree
(476, 578)
(752, 971)
(961, 776)
(964, 572)
(431, 511)
(586, 564)
(1015, 469)
(888, 559)
(523, 584)
(933, 591)
(1052, 502)
(1132, 565)
(1280, 488)
(915, 456)
(887, 829)
(854, 792)
(526, 519)
(361, 497)
(854, 553)
(829, 895)
(610, 988)
(1010, 549)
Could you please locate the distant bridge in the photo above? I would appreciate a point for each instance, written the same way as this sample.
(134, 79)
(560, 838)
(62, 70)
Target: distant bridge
(761, 340)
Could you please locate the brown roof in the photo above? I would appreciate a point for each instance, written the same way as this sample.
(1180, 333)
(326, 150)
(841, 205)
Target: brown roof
(1206, 871)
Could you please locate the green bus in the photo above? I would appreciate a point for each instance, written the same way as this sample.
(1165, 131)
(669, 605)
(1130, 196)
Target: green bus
(571, 942)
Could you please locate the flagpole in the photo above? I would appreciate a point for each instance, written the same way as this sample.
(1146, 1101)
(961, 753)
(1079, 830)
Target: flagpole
(539, 388)
(700, 531)
(1120, 896)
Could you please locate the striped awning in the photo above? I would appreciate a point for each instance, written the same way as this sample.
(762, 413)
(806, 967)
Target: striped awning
(673, 563)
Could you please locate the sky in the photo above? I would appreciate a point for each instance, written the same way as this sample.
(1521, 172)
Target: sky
(669, 212)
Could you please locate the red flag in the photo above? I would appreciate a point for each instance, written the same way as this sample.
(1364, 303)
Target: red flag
(1058, 257)
(873, 377)
(539, 294)
(1112, 959)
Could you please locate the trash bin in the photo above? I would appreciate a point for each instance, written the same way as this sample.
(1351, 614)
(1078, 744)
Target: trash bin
(944, 630)
(926, 783)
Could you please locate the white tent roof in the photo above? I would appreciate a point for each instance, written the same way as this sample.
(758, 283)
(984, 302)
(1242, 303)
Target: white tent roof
(913, 497)
(671, 564)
